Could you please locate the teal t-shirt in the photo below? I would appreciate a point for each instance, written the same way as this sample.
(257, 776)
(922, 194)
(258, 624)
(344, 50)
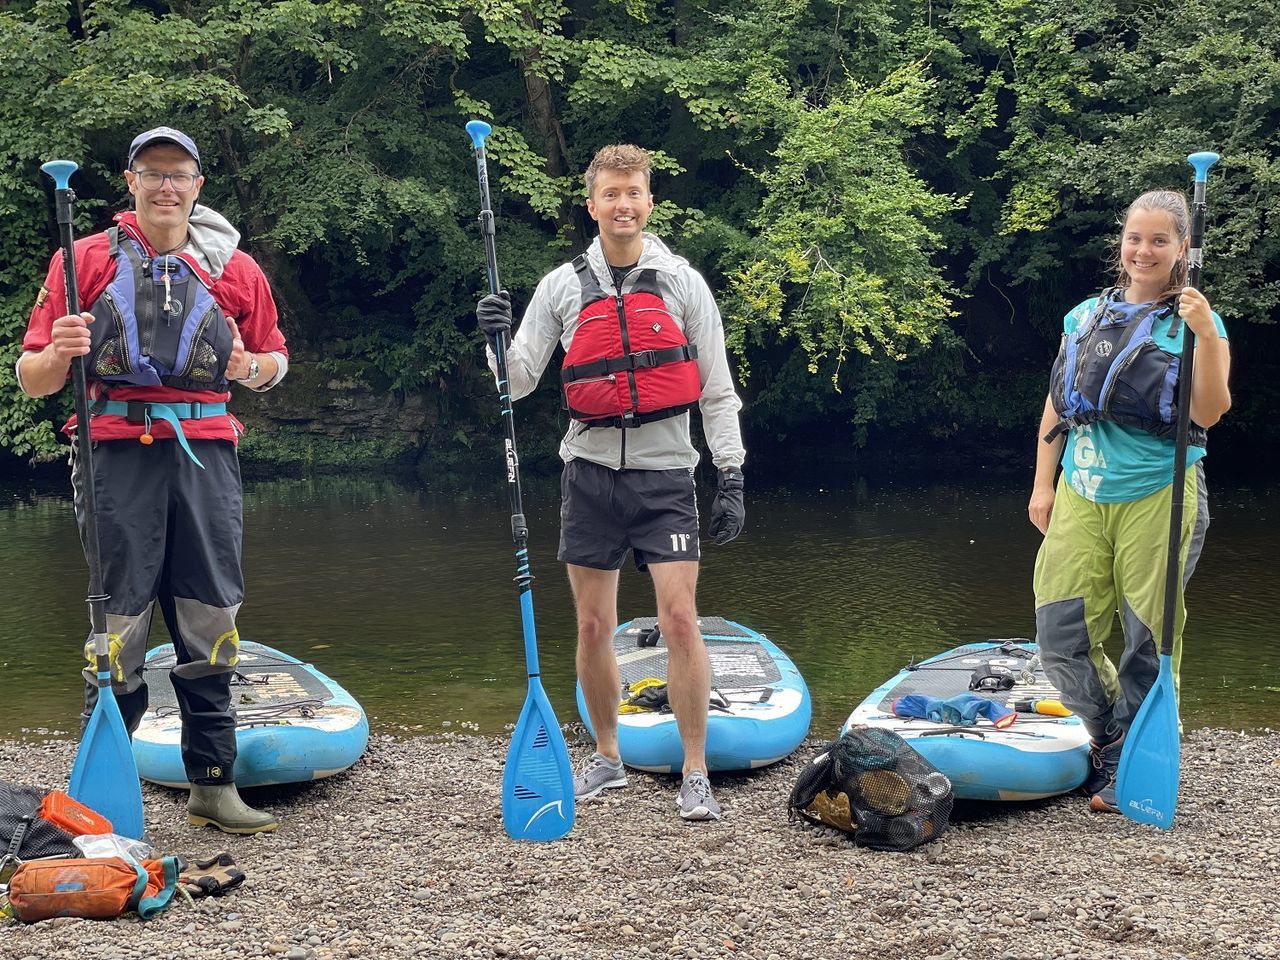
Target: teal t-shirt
(1115, 463)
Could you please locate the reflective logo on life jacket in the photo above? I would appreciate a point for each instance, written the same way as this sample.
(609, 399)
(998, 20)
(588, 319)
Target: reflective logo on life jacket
(1111, 368)
(157, 324)
(629, 362)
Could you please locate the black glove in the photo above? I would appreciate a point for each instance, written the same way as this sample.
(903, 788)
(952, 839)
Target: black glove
(728, 513)
(493, 316)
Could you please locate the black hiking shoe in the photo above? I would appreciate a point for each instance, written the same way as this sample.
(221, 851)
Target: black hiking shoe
(1104, 801)
(1103, 764)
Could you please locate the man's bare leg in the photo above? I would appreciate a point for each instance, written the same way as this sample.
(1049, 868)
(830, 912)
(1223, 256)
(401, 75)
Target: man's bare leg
(688, 668)
(595, 594)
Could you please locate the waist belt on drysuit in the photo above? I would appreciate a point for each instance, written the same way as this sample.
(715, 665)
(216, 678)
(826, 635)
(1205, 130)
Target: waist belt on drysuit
(144, 411)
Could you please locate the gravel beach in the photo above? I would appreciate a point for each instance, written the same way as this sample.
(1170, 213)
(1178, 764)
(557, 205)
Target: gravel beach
(405, 856)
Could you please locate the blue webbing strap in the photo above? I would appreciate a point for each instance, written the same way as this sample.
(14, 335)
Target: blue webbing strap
(171, 413)
(150, 906)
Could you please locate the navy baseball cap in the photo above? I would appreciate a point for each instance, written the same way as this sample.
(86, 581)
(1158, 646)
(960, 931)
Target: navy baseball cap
(163, 135)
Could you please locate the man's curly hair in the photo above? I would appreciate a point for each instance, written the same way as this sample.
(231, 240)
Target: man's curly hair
(622, 157)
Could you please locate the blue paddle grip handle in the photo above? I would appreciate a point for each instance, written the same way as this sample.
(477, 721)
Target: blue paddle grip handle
(61, 171)
(1202, 162)
(478, 130)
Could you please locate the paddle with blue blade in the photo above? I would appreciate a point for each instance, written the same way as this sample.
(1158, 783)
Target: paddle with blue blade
(537, 782)
(1148, 776)
(104, 776)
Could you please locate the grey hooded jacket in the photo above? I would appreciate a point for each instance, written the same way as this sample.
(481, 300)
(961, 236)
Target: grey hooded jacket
(552, 318)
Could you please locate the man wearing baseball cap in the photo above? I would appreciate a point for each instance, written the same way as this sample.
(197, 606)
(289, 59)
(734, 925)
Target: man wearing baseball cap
(160, 135)
(176, 315)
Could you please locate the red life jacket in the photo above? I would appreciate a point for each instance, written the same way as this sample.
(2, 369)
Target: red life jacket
(629, 362)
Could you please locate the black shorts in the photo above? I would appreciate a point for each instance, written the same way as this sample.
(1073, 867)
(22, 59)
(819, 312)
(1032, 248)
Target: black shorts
(605, 512)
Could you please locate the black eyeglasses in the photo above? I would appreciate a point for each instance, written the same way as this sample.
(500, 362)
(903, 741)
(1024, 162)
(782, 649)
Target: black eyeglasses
(154, 180)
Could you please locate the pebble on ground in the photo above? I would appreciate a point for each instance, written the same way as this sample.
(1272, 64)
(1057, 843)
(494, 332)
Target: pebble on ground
(405, 856)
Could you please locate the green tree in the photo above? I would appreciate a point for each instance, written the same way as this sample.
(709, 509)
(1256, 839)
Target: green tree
(895, 202)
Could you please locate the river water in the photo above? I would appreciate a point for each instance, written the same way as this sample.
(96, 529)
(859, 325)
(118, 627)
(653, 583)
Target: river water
(404, 594)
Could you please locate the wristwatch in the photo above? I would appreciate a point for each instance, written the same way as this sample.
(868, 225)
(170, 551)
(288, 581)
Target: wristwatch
(253, 370)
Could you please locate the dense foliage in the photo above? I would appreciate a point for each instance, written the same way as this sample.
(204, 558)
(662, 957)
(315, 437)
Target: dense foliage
(896, 202)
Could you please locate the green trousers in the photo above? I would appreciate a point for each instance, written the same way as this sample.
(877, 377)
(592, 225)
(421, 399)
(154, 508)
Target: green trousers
(1103, 559)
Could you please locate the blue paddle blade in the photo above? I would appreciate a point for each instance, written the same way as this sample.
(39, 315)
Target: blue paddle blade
(1147, 780)
(104, 776)
(537, 783)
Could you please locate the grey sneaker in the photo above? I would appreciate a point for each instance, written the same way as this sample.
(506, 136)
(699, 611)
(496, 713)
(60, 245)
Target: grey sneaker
(694, 800)
(597, 775)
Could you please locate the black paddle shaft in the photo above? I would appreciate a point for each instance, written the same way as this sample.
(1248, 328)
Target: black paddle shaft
(63, 199)
(519, 528)
(1195, 259)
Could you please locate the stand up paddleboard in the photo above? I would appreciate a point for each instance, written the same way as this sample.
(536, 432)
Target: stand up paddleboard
(760, 709)
(293, 723)
(1035, 756)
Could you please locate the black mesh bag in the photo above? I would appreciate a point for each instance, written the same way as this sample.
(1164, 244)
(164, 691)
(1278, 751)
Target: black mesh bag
(42, 838)
(872, 784)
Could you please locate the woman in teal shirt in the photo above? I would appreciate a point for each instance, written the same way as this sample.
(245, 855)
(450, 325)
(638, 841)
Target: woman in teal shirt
(1106, 525)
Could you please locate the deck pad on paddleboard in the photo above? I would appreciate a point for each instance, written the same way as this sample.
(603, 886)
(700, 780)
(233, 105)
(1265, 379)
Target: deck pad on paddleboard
(735, 663)
(1036, 756)
(293, 723)
(762, 708)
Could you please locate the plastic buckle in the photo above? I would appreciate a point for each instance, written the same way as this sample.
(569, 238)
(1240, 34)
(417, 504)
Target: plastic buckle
(644, 358)
(136, 411)
(197, 410)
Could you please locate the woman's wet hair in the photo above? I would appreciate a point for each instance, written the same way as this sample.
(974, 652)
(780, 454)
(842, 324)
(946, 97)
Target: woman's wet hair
(1174, 205)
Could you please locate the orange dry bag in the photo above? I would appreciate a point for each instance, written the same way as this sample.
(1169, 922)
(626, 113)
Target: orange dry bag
(96, 888)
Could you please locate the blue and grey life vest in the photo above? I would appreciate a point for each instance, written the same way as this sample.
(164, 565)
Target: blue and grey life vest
(1111, 368)
(157, 324)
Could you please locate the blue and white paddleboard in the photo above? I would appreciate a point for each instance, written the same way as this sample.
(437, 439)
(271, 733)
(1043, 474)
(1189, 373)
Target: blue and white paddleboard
(762, 709)
(293, 723)
(1036, 756)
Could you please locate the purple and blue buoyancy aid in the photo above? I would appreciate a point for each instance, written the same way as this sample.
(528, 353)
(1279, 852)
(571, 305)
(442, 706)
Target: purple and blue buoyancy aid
(1111, 368)
(157, 323)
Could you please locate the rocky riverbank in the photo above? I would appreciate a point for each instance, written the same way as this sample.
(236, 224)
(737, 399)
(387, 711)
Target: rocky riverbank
(405, 856)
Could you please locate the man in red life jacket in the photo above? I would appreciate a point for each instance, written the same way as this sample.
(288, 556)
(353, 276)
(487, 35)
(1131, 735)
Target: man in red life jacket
(643, 345)
(175, 313)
